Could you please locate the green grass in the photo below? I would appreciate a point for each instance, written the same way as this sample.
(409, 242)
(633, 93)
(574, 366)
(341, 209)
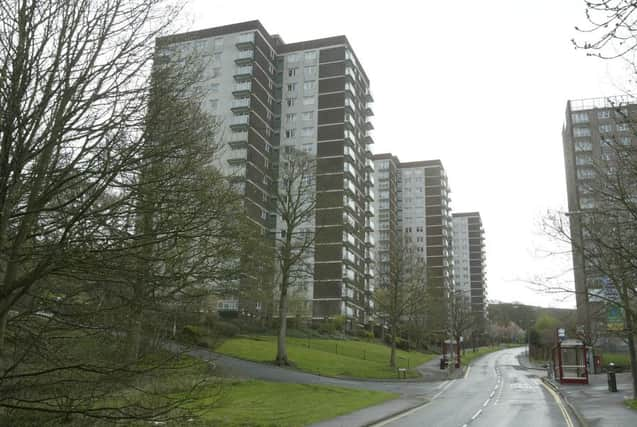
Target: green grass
(333, 358)
(619, 359)
(632, 404)
(258, 403)
(469, 355)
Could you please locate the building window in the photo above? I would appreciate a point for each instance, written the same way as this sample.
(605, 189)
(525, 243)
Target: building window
(606, 128)
(293, 57)
(308, 115)
(217, 45)
(214, 103)
(290, 102)
(581, 117)
(581, 131)
(290, 117)
(309, 86)
(583, 145)
(310, 56)
(307, 132)
(214, 88)
(310, 71)
(291, 87)
(292, 71)
(625, 140)
(622, 127)
(308, 100)
(603, 114)
(290, 133)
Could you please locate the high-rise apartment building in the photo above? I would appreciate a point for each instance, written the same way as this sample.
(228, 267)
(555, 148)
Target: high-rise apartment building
(594, 132)
(413, 205)
(469, 263)
(314, 96)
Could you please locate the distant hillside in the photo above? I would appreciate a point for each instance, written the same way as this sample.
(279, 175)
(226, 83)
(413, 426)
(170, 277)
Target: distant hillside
(525, 315)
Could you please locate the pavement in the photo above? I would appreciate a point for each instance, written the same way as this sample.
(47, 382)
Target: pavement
(595, 406)
(592, 404)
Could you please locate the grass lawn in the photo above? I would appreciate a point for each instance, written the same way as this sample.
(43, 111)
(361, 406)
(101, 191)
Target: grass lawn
(632, 404)
(258, 403)
(333, 358)
(470, 355)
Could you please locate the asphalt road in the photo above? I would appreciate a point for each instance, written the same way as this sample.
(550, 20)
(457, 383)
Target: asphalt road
(496, 391)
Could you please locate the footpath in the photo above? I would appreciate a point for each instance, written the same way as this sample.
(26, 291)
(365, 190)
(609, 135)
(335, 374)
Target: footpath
(592, 404)
(410, 399)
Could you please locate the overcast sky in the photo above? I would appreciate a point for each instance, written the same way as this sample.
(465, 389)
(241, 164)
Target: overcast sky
(480, 85)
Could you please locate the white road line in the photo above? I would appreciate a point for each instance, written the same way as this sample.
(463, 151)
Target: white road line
(443, 390)
(404, 414)
(466, 374)
(486, 402)
(441, 385)
(492, 394)
(476, 415)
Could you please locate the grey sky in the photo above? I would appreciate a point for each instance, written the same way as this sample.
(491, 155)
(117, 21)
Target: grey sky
(481, 86)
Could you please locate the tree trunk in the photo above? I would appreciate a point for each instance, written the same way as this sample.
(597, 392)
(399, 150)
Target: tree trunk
(135, 334)
(281, 352)
(3, 330)
(392, 355)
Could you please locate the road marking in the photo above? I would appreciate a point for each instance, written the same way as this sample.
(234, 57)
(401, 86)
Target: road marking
(567, 417)
(486, 402)
(466, 374)
(476, 415)
(441, 384)
(491, 395)
(411, 411)
(443, 390)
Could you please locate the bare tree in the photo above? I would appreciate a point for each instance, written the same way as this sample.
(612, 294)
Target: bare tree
(461, 319)
(608, 242)
(402, 289)
(295, 208)
(109, 212)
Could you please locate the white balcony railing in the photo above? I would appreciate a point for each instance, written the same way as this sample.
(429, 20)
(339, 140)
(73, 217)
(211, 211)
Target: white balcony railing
(241, 102)
(240, 120)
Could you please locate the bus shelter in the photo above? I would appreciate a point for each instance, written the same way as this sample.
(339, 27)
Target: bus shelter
(569, 362)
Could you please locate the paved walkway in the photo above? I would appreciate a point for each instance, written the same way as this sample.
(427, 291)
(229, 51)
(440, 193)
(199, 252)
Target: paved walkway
(593, 404)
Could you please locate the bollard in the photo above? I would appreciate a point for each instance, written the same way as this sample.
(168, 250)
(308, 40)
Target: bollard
(612, 379)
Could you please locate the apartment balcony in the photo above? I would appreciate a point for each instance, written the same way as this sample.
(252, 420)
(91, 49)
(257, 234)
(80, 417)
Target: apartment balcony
(367, 139)
(244, 57)
(238, 139)
(242, 89)
(370, 211)
(369, 225)
(238, 154)
(243, 73)
(240, 105)
(238, 157)
(240, 122)
(369, 97)
(369, 166)
(369, 112)
(368, 126)
(245, 41)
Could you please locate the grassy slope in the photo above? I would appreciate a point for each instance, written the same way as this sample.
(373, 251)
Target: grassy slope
(327, 357)
(469, 355)
(258, 403)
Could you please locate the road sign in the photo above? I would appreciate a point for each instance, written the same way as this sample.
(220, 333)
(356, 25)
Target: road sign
(610, 291)
(615, 318)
